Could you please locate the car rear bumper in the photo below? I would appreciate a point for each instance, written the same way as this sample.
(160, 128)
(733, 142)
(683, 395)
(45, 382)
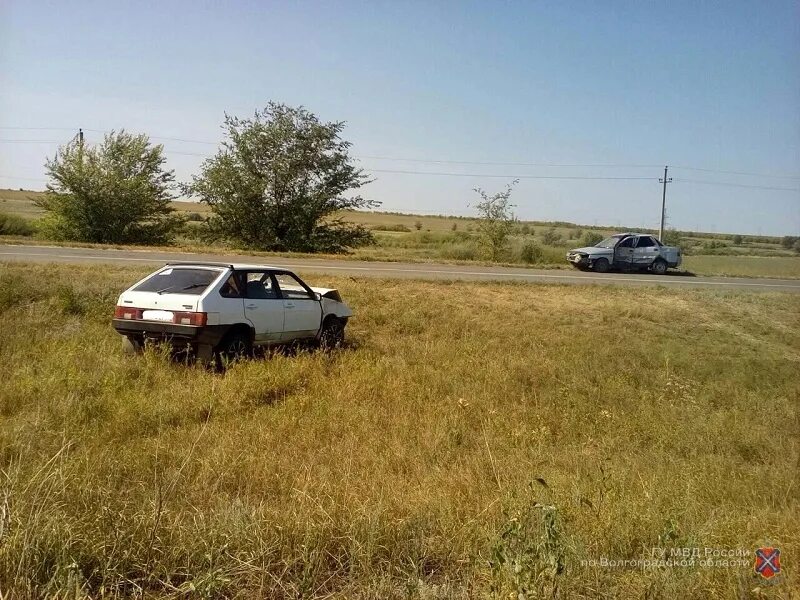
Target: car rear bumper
(190, 334)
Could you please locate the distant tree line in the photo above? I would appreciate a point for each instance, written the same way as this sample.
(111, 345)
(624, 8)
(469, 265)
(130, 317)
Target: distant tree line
(277, 183)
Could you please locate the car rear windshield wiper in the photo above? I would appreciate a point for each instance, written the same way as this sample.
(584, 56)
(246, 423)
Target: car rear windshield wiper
(183, 289)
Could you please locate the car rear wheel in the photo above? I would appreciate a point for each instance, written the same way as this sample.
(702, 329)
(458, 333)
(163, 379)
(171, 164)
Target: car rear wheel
(659, 267)
(332, 335)
(601, 265)
(234, 346)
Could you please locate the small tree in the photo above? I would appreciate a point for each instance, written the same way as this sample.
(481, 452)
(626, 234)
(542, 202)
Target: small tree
(737, 240)
(115, 192)
(496, 220)
(417, 225)
(278, 182)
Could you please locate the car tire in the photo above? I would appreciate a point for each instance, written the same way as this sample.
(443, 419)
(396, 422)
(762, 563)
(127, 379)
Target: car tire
(332, 335)
(234, 346)
(659, 267)
(601, 265)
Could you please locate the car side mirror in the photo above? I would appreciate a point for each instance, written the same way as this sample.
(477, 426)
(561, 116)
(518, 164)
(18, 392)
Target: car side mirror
(317, 296)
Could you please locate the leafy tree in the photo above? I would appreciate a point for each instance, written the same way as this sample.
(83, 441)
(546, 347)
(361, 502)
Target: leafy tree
(737, 240)
(496, 220)
(114, 192)
(278, 182)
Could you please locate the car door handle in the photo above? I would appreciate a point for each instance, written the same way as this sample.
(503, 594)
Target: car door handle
(252, 306)
(289, 305)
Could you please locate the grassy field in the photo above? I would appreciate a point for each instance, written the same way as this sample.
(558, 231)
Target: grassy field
(473, 440)
(431, 238)
(744, 266)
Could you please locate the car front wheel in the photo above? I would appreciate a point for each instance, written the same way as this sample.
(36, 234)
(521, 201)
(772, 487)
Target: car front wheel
(601, 265)
(332, 335)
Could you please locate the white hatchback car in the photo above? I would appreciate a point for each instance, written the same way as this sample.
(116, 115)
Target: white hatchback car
(225, 310)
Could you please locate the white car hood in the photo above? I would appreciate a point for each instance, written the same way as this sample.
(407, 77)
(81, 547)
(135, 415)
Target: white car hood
(594, 250)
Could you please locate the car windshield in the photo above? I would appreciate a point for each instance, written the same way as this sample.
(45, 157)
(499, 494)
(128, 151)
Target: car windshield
(179, 281)
(609, 242)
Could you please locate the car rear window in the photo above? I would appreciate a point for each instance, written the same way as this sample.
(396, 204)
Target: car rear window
(179, 281)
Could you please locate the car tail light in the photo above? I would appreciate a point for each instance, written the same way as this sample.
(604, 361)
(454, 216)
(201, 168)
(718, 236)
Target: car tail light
(190, 318)
(127, 312)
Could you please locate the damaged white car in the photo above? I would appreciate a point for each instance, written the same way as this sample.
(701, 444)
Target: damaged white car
(225, 310)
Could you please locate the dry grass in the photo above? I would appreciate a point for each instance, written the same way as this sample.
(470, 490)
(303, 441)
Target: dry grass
(466, 425)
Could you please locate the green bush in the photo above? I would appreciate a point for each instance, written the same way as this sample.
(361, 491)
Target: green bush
(15, 225)
(194, 216)
(551, 237)
(460, 251)
(530, 253)
(395, 227)
(789, 241)
(591, 238)
(672, 238)
(737, 239)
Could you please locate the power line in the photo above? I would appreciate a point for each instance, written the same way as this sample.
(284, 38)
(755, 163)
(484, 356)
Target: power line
(748, 173)
(740, 185)
(31, 142)
(172, 139)
(506, 176)
(186, 153)
(507, 164)
(23, 178)
(39, 128)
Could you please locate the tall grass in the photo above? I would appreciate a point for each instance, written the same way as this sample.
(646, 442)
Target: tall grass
(473, 440)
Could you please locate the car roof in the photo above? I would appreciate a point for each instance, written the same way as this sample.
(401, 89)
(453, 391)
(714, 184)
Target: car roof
(629, 234)
(220, 265)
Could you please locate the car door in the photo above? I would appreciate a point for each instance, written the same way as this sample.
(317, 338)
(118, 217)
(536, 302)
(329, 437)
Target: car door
(302, 312)
(263, 306)
(623, 253)
(645, 252)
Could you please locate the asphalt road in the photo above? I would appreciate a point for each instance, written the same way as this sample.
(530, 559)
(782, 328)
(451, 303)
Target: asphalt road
(391, 269)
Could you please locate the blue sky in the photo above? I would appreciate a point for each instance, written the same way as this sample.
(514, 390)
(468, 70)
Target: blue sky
(690, 84)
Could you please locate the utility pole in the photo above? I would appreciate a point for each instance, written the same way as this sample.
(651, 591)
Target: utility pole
(665, 181)
(80, 148)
